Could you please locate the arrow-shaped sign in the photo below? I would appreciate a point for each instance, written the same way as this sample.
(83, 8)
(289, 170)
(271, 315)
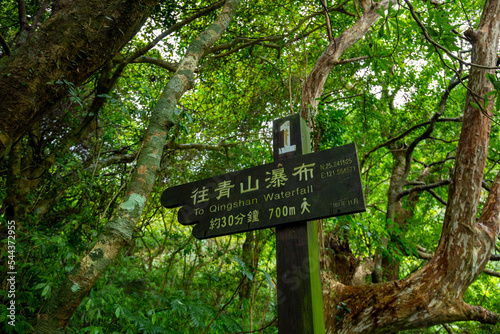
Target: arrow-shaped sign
(307, 187)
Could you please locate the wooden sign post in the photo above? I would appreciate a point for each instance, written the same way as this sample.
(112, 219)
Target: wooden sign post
(287, 194)
(300, 299)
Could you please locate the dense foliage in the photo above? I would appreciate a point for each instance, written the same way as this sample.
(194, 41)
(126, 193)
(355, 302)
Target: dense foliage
(65, 178)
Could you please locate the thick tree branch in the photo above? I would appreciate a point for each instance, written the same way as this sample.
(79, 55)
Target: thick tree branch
(461, 233)
(315, 82)
(495, 257)
(171, 29)
(491, 272)
(23, 23)
(441, 108)
(423, 187)
(439, 46)
(327, 18)
(478, 313)
(172, 67)
(404, 134)
(112, 160)
(24, 93)
(5, 46)
(424, 254)
(353, 60)
(436, 196)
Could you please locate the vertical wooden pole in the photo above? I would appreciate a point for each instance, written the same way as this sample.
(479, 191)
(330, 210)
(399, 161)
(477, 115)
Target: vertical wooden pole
(300, 301)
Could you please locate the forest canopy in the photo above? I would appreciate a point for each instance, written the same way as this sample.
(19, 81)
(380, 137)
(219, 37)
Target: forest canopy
(104, 105)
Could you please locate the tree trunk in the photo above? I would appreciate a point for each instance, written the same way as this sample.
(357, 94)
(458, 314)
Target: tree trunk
(118, 231)
(315, 82)
(433, 294)
(78, 38)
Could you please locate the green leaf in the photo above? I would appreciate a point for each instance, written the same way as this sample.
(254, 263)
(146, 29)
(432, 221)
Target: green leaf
(475, 105)
(244, 268)
(46, 291)
(39, 286)
(269, 280)
(381, 31)
(493, 79)
(89, 304)
(381, 11)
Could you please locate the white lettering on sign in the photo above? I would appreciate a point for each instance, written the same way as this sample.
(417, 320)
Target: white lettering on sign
(285, 128)
(249, 188)
(304, 170)
(200, 195)
(277, 179)
(224, 189)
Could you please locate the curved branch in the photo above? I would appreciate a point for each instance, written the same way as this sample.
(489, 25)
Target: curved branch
(172, 67)
(443, 140)
(405, 133)
(39, 14)
(481, 314)
(112, 160)
(434, 163)
(242, 46)
(424, 254)
(5, 45)
(491, 272)
(140, 52)
(171, 29)
(200, 147)
(439, 46)
(442, 106)
(423, 187)
(315, 82)
(436, 196)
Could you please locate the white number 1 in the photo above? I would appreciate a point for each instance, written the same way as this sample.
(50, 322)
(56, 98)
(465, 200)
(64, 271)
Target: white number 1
(285, 127)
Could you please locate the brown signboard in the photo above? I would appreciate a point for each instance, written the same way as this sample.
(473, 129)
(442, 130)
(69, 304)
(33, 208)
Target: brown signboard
(307, 187)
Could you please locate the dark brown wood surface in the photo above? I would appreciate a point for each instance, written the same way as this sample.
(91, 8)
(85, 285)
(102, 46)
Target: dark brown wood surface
(304, 187)
(299, 293)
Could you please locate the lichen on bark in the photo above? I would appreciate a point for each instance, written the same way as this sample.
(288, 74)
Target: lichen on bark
(118, 231)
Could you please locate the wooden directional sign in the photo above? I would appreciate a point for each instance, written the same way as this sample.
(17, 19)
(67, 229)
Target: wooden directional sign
(307, 187)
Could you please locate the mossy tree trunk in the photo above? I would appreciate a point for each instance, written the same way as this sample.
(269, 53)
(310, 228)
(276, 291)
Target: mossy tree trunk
(79, 38)
(434, 294)
(117, 233)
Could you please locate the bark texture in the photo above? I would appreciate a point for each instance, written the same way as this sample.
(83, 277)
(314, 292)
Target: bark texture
(118, 231)
(78, 38)
(433, 295)
(315, 82)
